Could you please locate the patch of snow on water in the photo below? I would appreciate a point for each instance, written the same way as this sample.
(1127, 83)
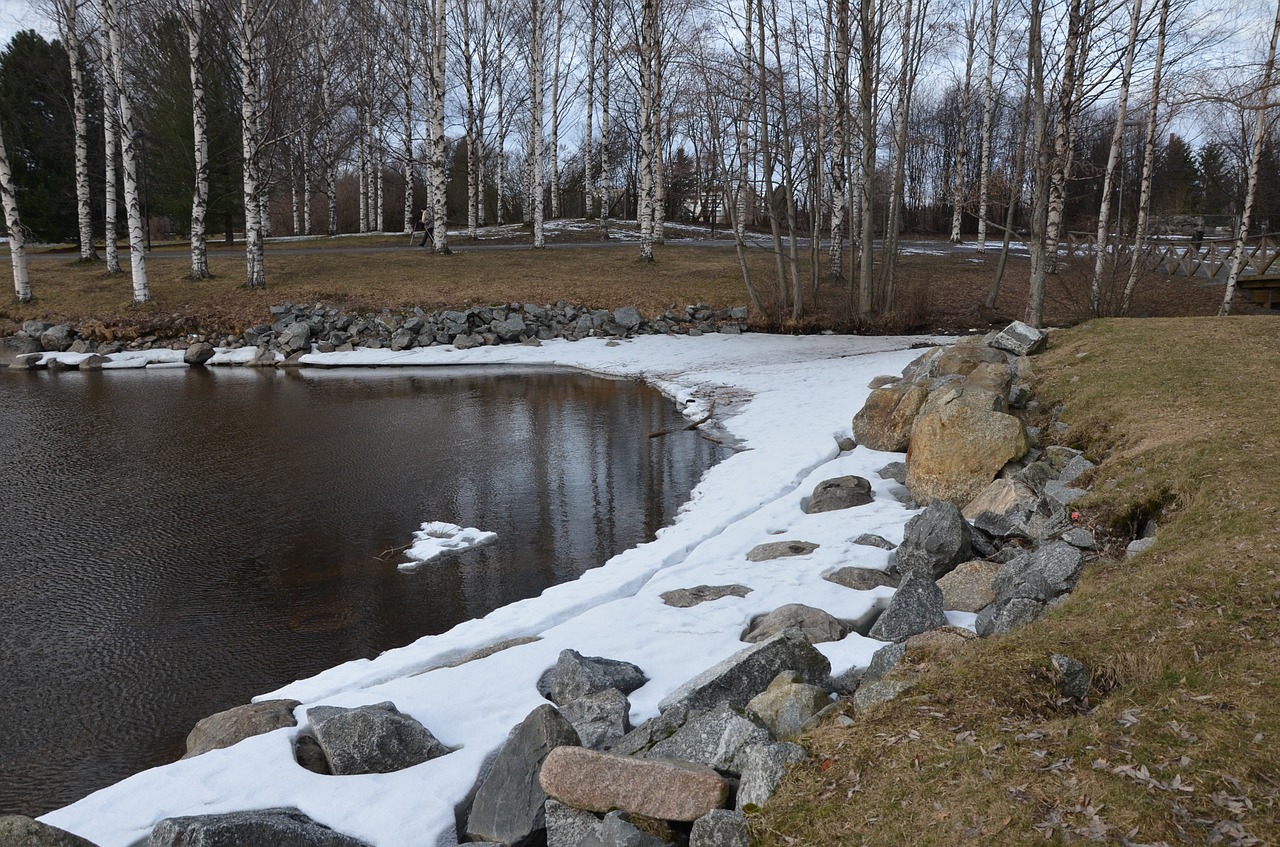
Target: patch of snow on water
(439, 537)
(785, 400)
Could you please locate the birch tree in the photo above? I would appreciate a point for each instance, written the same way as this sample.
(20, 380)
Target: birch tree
(128, 154)
(200, 132)
(110, 137)
(67, 14)
(988, 116)
(435, 108)
(251, 106)
(957, 183)
(840, 138)
(535, 153)
(644, 203)
(17, 236)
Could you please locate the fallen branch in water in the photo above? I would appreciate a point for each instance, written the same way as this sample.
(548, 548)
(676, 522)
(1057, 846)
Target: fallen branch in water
(394, 551)
(710, 411)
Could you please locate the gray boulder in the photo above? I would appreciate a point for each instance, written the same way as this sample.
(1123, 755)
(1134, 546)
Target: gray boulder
(199, 353)
(868, 539)
(1073, 676)
(371, 739)
(295, 337)
(764, 766)
(57, 339)
(22, 831)
(600, 718)
(1003, 508)
(787, 705)
(896, 471)
(861, 579)
(17, 345)
(509, 806)
(684, 598)
(1020, 339)
(1138, 545)
(569, 827)
(934, 541)
(780, 550)
(628, 317)
(748, 672)
(970, 587)
(1003, 615)
(575, 675)
(1050, 571)
(276, 827)
(238, 723)
(720, 828)
(916, 607)
(616, 830)
(510, 329)
(714, 738)
(817, 625)
(402, 339)
(307, 753)
(640, 740)
(842, 492)
(883, 661)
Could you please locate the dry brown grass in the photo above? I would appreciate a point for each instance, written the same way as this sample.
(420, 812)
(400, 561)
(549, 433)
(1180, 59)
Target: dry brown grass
(1178, 742)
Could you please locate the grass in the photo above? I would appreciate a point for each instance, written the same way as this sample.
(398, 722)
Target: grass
(1177, 742)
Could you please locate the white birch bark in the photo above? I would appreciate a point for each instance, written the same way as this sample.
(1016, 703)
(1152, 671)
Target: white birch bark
(439, 178)
(868, 63)
(1038, 243)
(536, 178)
(110, 136)
(988, 119)
(606, 63)
(644, 204)
(306, 191)
(1255, 158)
(658, 186)
(128, 157)
(553, 142)
(1100, 260)
(962, 137)
(592, 9)
(840, 139)
(17, 235)
(250, 138)
(66, 12)
(473, 154)
(1079, 17)
(200, 128)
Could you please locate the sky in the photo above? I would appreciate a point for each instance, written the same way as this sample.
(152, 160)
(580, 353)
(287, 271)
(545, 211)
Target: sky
(17, 15)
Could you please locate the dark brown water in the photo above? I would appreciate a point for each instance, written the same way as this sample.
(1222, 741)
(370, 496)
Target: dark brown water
(174, 542)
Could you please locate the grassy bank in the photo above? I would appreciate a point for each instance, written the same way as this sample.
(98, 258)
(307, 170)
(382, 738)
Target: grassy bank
(1178, 741)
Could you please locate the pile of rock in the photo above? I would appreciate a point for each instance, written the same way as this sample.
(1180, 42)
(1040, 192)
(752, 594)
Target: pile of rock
(296, 329)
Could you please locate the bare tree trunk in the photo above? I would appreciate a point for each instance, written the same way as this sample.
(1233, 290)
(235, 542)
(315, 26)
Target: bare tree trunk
(1040, 192)
(788, 182)
(1078, 19)
(306, 191)
(436, 108)
(65, 11)
(536, 177)
(251, 141)
(957, 184)
(1113, 160)
(200, 132)
(767, 158)
(840, 107)
(1148, 161)
(468, 84)
(659, 202)
(644, 203)
(17, 235)
(592, 8)
(128, 156)
(1015, 193)
(110, 135)
(553, 146)
(606, 61)
(988, 117)
(868, 64)
(1255, 158)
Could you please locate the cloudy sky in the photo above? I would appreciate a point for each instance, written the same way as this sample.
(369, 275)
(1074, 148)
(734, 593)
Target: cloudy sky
(20, 14)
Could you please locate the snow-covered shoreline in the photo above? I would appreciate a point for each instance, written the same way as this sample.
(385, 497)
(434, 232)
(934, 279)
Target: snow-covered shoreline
(785, 399)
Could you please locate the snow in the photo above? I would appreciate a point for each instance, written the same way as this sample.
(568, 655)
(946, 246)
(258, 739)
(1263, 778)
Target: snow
(784, 400)
(439, 537)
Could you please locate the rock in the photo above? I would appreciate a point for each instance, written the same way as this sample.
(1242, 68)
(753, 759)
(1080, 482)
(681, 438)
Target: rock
(616, 830)
(842, 492)
(1062, 495)
(1003, 615)
(748, 672)
(510, 329)
(896, 471)
(238, 723)
(402, 339)
(713, 738)
(1058, 457)
(296, 336)
(1138, 545)
(684, 598)
(1050, 571)
(276, 827)
(934, 541)
(509, 804)
(996, 377)
(656, 788)
(817, 625)
(1020, 339)
(307, 753)
(916, 607)
(17, 345)
(199, 353)
(956, 452)
(263, 358)
(1073, 676)
(1074, 469)
(575, 675)
(568, 827)
(1080, 537)
(867, 539)
(883, 661)
(628, 317)
(963, 394)
(371, 739)
(600, 718)
(22, 831)
(963, 357)
(779, 550)
(884, 422)
(641, 739)
(720, 828)
(788, 704)
(873, 694)
(970, 587)
(57, 339)
(1002, 508)
(764, 766)
(92, 362)
(861, 579)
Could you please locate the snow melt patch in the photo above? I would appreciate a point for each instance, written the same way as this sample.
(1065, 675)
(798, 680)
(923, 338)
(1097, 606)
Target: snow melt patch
(784, 400)
(439, 537)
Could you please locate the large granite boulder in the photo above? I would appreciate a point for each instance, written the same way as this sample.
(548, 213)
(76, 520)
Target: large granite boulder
(568, 827)
(13, 346)
(958, 450)
(788, 704)
(713, 738)
(57, 339)
(817, 625)
(1003, 508)
(1049, 572)
(238, 723)
(600, 718)
(720, 828)
(842, 492)
(1004, 615)
(509, 806)
(276, 827)
(885, 420)
(934, 541)
(199, 353)
(575, 675)
(295, 338)
(970, 587)
(963, 357)
(764, 766)
(371, 739)
(656, 788)
(748, 672)
(22, 831)
(1020, 339)
(916, 607)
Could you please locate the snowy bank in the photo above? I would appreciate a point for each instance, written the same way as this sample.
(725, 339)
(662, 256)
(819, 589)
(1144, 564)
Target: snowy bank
(786, 400)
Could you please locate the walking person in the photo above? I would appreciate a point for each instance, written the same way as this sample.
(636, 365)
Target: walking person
(427, 221)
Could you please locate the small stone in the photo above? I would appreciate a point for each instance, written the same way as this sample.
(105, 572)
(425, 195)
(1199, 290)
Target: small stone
(600, 718)
(861, 579)
(842, 492)
(970, 587)
(764, 766)
(199, 353)
(1020, 339)
(684, 598)
(372, 739)
(1080, 537)
(868, 539)
(896, 471)
(780, 550)
(1138, 545)
(1073, 676)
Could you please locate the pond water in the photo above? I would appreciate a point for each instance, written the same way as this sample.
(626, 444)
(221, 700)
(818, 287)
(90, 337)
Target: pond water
(173, 543)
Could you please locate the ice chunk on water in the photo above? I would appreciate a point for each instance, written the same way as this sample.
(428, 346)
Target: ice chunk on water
(438, 537)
